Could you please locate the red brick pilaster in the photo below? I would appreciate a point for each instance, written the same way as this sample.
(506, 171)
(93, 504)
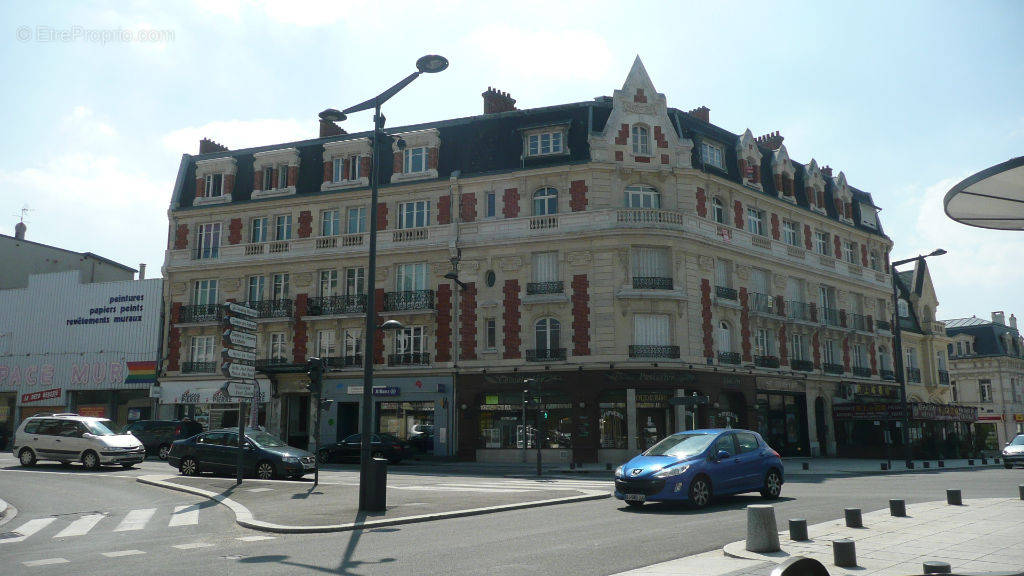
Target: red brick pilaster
(378, 335)
(705, 313)
(257, 177)
(745, 325)
(659, 137)
(432, 158)
(814, 311)
(702, 203)
(328, 171)
(578, 195)
(382, 216)
(871, 323)
(366, 166)
(511, 316)
(623, 136)
(842, 318)
(200, 187)
(778, 183)
(305, 224)
(467, 322)
(838, 245)
(181, 237)
(229, 185)
(874, 360)
(780, 305)
(665, 159)
(510, 202)
(737, 214)
(807, 237)
(398, 165)
(174, 339)
(300, 338)
(443, 341)
(580, 315)
(783, 347)
(235, 231)
(639, 97)
(444, 209)
(293, 175)
(864, 255)
(846, 354)
(467, 207)
(273, 179)
(816, 348)
(811, 196)
(775, 226)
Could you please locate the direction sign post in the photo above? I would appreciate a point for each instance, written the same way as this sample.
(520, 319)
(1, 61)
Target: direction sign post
(239, 359)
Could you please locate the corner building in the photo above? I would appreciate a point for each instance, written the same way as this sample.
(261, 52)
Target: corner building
(616, 253)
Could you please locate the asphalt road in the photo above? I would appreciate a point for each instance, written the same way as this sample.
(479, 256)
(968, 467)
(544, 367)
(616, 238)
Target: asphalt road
(597, 537)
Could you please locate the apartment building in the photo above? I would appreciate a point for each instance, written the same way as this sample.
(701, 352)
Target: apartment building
(616, 254)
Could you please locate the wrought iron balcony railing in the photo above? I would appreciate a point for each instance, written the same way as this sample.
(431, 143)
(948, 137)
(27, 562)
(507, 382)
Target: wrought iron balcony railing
(728, 357)
(887, 374)
(862, 372)
(766, 361)
(198, 367)
(545, 287)
(830, 368)
(651, 283)
(545, 354)
(653, 351)
(830, 316)
(798, 310)
(345, 361)
(883, 325)
(200, 313)
(943, 377)
(271, 308)
(329, 305)
(409, 300)
(272, 363)
(762, 303)
(801, 365)
(914, 375)
(858, 322)
(409, 359)
(726, 293)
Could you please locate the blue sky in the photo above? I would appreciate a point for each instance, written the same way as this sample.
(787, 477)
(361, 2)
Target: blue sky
(906, 98)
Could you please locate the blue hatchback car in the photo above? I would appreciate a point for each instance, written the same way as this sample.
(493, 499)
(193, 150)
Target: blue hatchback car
(694, 465)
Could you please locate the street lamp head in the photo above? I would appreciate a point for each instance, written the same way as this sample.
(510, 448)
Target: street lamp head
(332, 115)
(391, 325)
(938, 252)
(431, 63)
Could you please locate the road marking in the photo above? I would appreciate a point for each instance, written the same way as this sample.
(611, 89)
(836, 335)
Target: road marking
(261, 490)
(192, 546)
(185, 515)
(135, 520)
(81, 526)
(29, 528)
(462, 489)
(45, 562)
(120, 553)
(254, 538)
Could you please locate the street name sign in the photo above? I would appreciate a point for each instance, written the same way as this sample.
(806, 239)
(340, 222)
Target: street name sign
(240, 355)
(234, 370)
(242, 323)
(241, 389)
(242, 339)
(239, 310)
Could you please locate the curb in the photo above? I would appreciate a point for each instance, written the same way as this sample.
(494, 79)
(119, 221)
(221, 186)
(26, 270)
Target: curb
(245, 518)
(7, 512)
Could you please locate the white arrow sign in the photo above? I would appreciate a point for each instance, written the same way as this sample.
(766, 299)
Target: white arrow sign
(242, 310)
(241, 389)
(241, 323)
(233, 370)
(242, 339)
(240, 354)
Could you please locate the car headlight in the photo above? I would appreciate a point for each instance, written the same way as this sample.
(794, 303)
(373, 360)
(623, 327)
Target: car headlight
(671, 471)
(618, 471)
(291, 459)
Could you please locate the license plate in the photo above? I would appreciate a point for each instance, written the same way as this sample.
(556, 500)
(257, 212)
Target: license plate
(635, 497)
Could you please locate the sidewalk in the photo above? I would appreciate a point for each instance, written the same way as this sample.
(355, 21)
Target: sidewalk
(983, 535)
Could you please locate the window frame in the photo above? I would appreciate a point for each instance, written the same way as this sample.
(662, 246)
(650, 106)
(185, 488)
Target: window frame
(535, 145)
(712, 154)
(208, 239)
(416, 210)
(201, 348)
(213, 181)
(641, 140)
(755, 221)
(413, 158)
(718, 210)
(552, 330)
(645, 194)
(335, 223)
(282, 222)
(546, 197)
(259, 229)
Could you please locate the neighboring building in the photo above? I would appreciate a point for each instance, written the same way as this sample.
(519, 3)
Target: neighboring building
(616, 251)
(987, 372)
(22, 258)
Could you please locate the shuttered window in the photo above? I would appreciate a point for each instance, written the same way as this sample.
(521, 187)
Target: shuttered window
(545, 267)
(651, 330)
(650, 263)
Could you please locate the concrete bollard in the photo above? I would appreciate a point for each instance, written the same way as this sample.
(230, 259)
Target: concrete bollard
(984, 461)
(806, 465)
(844, 553)
(853, 518)
(884, 466)
(910, 465)
(607, 465)
(935, 567)
(942, 463)
(996, 460)
(897, 508)
(1020, 491)
(953, 498)
(762, 531)
(927, 464)
(970, 461)
(798, 529)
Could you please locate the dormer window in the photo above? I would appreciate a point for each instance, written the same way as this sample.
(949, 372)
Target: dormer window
(214, 185)
(275, 172)
(415, 160)
(215, 181)
(711, 154)
(346, 169)
(544, 143)
(641, 141)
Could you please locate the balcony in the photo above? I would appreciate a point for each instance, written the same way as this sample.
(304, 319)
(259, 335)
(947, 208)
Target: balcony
(206, 253)
(728, 357)
(651, 283)
(281, 308)
(798, 311)
(409, 300)
(345, 361)
(545, 287)
(801, 365)
(410, 235)
(198, 367)
(326, 242)
(409, 359)
(649, 217)
(887, 375)
(883, 325)
(545, 354)
(829, 368)
(279, 247)
(914, 375)
(333, 305)
(862, 372)
(271, 364)
(944, 377)
(858, 322)
(830, 316)
(725, 293)
(200, 313)
(766, 361)
(544, 222)
(761, 303)
(653, 351)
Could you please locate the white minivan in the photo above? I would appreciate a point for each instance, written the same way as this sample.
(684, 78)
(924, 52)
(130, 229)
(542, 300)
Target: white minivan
(68, 438)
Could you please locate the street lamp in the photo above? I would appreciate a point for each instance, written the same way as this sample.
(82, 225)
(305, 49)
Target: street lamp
(901, 377)
(425, 65)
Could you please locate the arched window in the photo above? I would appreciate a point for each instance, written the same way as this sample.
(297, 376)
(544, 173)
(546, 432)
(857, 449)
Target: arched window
(718, 210)
(641, 141)
(545, 202)
(546, 331)
(642, 197)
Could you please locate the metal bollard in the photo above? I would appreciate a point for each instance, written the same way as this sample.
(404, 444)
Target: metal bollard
(844, 553)
(762, 531)
(953, 498)
(910, 465)
(1020, 491)
(934, 567)
(806, 465)
(897, 508)
(884, 466)
(942, 463)
(927, 464)
(853, 518)
(798, 529)
(970, 461)
(984, 461)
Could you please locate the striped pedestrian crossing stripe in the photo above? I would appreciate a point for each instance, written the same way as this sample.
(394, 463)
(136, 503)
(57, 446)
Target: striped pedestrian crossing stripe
(135, 520)
(120, 553)
(46, 562)
(185, 515)
(27, 529)
(81, 526)
(76, 527)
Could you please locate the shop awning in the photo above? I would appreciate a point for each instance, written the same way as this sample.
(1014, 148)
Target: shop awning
(992, 198)
(206, 391)
(893, 411)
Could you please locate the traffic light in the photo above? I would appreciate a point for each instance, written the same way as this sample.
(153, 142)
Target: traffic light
(545, 414)
(315, 369)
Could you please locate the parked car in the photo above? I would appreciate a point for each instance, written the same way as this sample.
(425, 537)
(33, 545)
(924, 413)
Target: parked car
(157, 435)
(265, 456)
(68, 438)
(1014, 451)
(696, 465)
(382, 446)
(422, 437)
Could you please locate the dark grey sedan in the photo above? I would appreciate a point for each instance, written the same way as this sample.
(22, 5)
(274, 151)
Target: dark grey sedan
(265, 456)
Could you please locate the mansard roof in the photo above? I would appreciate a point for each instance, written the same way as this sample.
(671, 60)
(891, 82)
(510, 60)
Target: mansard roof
(989, 337)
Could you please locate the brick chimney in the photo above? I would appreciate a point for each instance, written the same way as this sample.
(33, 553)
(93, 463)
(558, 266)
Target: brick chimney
(328, 128)
(702, 113)
(496, 101)
(771, 140)
(207, 146)
(827, 171)
(1013, 321)
(999, 318)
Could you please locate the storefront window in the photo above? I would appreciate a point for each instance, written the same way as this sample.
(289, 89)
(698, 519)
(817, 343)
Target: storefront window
(654, 417)
(403, 419)
(612, 422)
(502, 424)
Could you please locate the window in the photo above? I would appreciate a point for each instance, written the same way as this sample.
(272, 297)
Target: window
(760, 281)
(723, 273)
(911, 357)
(763, 344)
(208, 240)
(490, 207)
(282, 176)
(724, 337)
(940, 358)
(410, 340)
(258, 231)
(356, 220)
(821, 242)
(328, 283)
(745, 442)
(283, 227)
(791, 232)
(490, 333)
(795, 289)
(850, 252)
(411, 277)
(257, 285)
(546, 332)
(985, 391)
(829, 351)
(205, 292)
(201, 349)
(904, 309)
(797, 347)
(280, 288)
(277, 346)
(545, 143)
(330, 224)
(214, 185)
(718, 210)
(641, 141)
(545, 267)
(268, 177)
(755, 221)
(355, 281)
(326, 344)
(827, 300)
(959, 349)
(712, 154)
(414, 214)
(339, 170)
(642, 197)
(651, 330)
(354, 168)
(953, 390)
(351, 345)
(415, 160)
(873, 261)
(650, 263)
(545, 202)
(859, 358)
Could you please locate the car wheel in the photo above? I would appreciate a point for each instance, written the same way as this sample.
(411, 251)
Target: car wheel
(265, 470)
(700, 492)
(189, 467)
(634, 504)
(323, 457)
(163, 451)
(1007, 465)
(127, 466)
(27, 457)
(772, 485)
(90, 460)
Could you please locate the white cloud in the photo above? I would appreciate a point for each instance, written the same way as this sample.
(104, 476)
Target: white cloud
(237, 134)
(539, 53)
(82, 123)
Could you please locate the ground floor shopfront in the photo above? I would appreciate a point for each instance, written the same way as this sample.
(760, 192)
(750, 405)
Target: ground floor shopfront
(875, 430)
(993, 431)
(207, 402)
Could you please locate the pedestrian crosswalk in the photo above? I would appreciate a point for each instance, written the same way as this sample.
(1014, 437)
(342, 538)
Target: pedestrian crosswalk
(73, 526)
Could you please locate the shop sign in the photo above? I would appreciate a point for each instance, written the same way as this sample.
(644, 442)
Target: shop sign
(993, 418)
(627, 377)
(491, 399)
(943, 412)
(1018, 417)
(51, 394)
(94, 411)
(134, 414)
(241, 389)
(877, 390)
(377, 390)
(779, 385)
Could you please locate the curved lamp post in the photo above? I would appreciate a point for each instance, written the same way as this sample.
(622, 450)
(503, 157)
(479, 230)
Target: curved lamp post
(426, 65)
